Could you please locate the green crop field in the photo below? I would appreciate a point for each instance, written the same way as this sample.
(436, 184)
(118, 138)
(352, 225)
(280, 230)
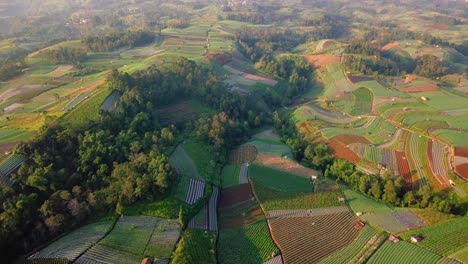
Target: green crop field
(201, 156)
(445, 238)
(195, 246)
(87, 111)
(75, 243)
(183, 163)
(402, 253)
(279, 180)
(347, 253)
(377, 132)
(182, 187)
(13, 135)
(362, 101)
(250, 244)
(271, 147)
(230, 176)
(165, 208)
(164, 237)
(131, 234)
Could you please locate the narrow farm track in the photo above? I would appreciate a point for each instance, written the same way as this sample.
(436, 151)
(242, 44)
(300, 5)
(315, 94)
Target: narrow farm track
(243, 174)
(393, 140)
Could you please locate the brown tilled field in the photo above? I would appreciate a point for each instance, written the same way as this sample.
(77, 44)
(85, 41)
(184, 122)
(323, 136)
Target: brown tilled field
(461, 151)
(311, 239)
(242, 155)
(462, 171)
(236, 195)
(342, 151)
(321, 60)
(420, 89)
(287, 165)
(348, 139)
(404, 169)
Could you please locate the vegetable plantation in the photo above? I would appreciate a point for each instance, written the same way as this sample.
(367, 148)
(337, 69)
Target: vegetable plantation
(8, 166)
(74, 244)
(249, 244)
(403, 253)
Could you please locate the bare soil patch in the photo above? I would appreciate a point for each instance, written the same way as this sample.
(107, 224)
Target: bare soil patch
(390, 46)
(235, 195)
(244, 219)
(461, 151)
(261, 79)
(462, 171)
(321, 60)
(420, 88)
(348, 139)
(283, 164)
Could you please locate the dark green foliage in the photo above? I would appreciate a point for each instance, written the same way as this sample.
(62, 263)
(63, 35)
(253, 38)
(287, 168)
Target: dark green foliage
(10, 69)
(116, 40)
(430, 66)
(196, 246)
(66, 55)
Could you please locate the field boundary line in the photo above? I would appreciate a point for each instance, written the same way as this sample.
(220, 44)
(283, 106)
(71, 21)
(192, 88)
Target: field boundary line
(252, 187)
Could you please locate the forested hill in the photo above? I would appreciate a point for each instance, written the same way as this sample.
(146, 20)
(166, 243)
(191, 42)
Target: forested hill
(72, 174)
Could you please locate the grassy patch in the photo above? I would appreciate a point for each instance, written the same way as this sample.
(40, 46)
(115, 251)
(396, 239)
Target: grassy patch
(362, 101)
(87, 111)
(230, 176)
(166, 208)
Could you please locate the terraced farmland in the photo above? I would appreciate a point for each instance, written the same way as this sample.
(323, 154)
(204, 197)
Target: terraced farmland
(271, 147)
(402, 253)
(243, 154)
(131, 234)
(195, 191)
(436, 152)
(76, 100)
(111, 101)
(362, 101)
(206, 218)
(230, 176)
(311, 239)
(8, 166)
(74, 244)
(248, 244)
(445, 238)
(346, 254)
(183, 164)
(164, 238)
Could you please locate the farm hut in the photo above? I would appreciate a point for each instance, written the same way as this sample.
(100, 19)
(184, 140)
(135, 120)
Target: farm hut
(359, 214)
(147, 261)
(394, 239)
(424, 98)
(341, 199)
(415, 238)
(313, 177)
(359, 225)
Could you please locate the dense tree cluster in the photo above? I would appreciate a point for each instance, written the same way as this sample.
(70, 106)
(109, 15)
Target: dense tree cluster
(387, 188)
(113, 41)
(430, 66)
(72, 173)
(11, 68)
(66, 55)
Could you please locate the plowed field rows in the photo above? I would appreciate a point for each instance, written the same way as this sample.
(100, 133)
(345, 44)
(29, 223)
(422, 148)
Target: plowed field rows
(310, 239)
